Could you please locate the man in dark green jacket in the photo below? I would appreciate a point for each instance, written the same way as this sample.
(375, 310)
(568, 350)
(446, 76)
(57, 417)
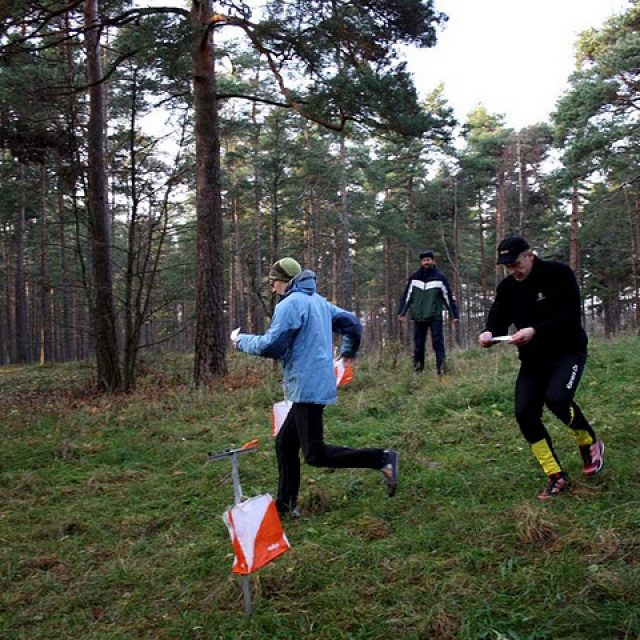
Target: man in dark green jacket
(426, 294)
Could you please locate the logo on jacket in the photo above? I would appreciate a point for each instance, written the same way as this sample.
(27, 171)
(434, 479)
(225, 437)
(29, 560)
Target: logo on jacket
(540, 297)
(572, 379)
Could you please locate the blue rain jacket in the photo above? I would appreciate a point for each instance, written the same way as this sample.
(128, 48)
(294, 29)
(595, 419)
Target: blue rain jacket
(301, 336)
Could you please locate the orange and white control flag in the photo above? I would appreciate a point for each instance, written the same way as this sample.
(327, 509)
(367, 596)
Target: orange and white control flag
(278, 415)
(343, 371)
(256, 533)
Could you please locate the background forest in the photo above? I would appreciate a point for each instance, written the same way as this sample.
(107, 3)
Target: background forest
(156, 160)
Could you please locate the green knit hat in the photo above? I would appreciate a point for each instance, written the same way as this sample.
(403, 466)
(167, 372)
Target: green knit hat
(284, 269)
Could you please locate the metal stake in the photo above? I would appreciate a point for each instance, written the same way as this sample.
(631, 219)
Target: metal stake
(234, 454)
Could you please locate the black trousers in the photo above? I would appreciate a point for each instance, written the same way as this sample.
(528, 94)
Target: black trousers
(303, 430)
(554, 384)
(420, 330)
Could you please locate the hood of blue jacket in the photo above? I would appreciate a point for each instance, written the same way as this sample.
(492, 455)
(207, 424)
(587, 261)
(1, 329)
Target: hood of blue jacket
(304, 282)
(301, 337)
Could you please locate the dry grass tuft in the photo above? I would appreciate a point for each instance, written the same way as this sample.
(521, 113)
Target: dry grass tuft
(317, 502)
(50, 563)
(443, 626)
(609, 545)
(370, 528)
(532, 527)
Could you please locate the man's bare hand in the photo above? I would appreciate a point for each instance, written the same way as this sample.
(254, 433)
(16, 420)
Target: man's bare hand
(523, 336)
(485, 339)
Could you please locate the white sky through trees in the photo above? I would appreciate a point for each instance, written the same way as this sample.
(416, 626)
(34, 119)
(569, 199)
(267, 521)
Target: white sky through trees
(512, 56)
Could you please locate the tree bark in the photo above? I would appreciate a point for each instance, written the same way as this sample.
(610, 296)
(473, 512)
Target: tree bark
(256, 306)
(522, 184)
(210, 347)
(66, 348)
(388, 294)
(635, 220)
(132, 324)
(45, 316)
(7, 340)
(574, 252)
(455, 261)
(311, 231)
(345, 274)
(237, 268)
(103, 307)
(21, 308)
(500, 209)
(404, 328)
(484, 284)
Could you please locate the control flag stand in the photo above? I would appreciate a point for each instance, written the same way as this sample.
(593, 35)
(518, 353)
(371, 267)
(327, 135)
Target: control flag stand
(253, 523)
(234, 454)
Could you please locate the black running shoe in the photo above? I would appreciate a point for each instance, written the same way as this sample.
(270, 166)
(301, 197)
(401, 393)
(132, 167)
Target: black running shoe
(391, 470)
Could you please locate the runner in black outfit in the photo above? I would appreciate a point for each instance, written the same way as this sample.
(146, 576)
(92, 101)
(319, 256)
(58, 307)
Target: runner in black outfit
(542, 300)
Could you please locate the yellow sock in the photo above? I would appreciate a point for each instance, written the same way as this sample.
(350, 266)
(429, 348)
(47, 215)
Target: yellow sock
(545, 457)
(582, 437)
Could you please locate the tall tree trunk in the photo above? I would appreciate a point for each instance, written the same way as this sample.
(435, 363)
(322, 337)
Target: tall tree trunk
(240, 308)
(574, 251)
(132, 274)
(210, 347)
(103, 307)
(370, 326)
(256, 307)
(388, 294)
(611, 308)
(66, 352)
(636, 257)
(45, 316)
(75, 323)
(33, 315)
(522, 184)
(274, 239)
(274, 196)
(403, 329)
(309, 251)
(21, 308)
(335, 264)
(484, 285)
(411, 223)
(357, 299)
(7, 339)
(82, 298)
(455, 261)
(311, 232)
(346, 269)
(500, 209)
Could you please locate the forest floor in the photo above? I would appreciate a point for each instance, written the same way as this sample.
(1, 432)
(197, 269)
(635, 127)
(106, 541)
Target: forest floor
(110, 522)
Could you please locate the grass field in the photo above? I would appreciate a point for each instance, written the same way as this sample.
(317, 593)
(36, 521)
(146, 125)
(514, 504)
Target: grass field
(110, 522)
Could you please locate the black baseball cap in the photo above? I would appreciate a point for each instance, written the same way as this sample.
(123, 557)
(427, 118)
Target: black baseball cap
(510, 248)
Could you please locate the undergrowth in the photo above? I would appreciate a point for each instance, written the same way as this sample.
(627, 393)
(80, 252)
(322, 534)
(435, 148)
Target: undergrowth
(110, 521)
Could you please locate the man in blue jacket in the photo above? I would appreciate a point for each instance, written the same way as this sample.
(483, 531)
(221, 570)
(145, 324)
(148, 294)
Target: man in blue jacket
(301, 336)
(425, 295)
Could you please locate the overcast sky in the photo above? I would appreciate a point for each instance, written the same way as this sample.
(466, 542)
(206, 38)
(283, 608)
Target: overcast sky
(512, 56)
